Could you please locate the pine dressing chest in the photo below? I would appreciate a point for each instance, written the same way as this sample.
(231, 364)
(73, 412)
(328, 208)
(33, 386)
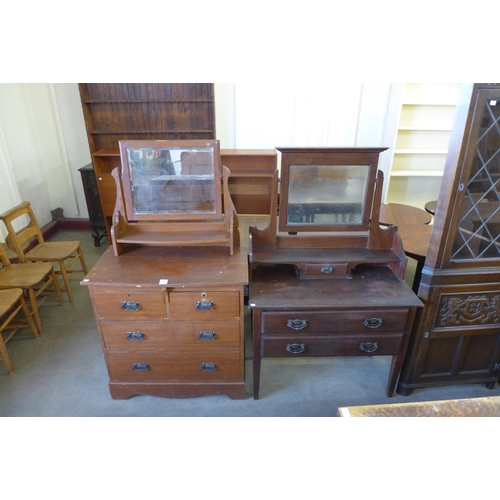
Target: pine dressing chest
(168, 294)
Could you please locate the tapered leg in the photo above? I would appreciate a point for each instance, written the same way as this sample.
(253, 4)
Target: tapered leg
(256, 347)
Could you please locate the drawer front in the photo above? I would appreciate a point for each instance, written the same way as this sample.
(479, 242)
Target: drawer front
(352, 345)
(130, 305)
(214, 335)
(151, 366)
(326, 269)
(389, 320)
(204, 305)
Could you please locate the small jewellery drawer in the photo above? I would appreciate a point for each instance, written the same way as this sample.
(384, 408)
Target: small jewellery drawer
(171, 334)
(130, 305)
(204, 304)
(146, 366)
(352, 345)
(333, 321)
(326, 269)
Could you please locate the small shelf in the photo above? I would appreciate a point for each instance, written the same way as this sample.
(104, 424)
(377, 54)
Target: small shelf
(420, 151)
(144, 101)
(417, 173)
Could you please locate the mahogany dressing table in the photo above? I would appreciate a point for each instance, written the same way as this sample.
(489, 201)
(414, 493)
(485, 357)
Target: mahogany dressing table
(325, 278)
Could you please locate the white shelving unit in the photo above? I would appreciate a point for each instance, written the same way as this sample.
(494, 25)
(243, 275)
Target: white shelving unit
(425, 123)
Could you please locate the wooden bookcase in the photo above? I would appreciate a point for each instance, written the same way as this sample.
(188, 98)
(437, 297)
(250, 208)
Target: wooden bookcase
(140, 111)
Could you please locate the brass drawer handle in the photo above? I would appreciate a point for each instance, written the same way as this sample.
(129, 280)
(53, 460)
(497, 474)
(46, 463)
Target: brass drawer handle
(208, 367)
(206, 335)
(130, 306)
(368, 346)
(295, 348)
(135, 336)
(204, 305)
(327, 270)
(373, 322)
(296, 324)
(140, 367)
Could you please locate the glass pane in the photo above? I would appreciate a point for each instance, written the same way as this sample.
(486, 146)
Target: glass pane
(326, 194)
(172, 180)
(478, 230)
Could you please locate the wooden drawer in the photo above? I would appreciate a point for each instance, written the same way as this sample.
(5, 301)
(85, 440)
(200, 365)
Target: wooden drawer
(204, 305)
(130, 305)
(127, 366)
(326, 269)
(215, 335)
(389, 320)
(352, 345)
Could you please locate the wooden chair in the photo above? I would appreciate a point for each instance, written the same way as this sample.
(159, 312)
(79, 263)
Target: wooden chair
(66, 253)
(35, 278)
(11, 304)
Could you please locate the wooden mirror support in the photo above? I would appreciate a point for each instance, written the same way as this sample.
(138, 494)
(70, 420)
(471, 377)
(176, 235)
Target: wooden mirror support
(172, 193)
(321, 236)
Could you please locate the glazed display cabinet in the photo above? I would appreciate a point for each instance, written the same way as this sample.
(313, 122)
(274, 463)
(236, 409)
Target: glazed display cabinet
(456, 336)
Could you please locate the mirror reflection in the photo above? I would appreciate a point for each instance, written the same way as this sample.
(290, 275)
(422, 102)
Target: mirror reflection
(326, 194)
(172, 180)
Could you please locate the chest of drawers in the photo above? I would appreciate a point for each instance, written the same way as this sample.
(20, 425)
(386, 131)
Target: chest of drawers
(171, 320)
(369, 314)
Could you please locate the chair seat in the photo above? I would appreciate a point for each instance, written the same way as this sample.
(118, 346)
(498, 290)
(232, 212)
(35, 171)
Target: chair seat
(8, 299)
(53, 251)
(24, 275)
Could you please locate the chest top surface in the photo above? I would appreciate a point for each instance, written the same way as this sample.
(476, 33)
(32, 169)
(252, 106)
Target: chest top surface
(169, 266)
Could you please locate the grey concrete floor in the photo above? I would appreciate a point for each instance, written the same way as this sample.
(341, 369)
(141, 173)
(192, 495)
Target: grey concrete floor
(63, 374)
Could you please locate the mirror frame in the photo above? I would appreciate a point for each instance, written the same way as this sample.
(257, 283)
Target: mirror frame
(323, 157)
(181, 145)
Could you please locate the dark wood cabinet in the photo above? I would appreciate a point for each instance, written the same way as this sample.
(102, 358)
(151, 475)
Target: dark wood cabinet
(456, 336)
(96, 215)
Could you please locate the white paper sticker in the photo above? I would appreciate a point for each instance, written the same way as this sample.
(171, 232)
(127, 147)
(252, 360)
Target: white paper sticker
(163, 282)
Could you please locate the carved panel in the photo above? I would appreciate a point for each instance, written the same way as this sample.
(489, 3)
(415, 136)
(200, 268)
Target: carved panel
(468, 310)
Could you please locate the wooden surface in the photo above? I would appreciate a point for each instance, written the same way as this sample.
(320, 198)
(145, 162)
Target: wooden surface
(399, 214)
(474, 407)
(415, 239)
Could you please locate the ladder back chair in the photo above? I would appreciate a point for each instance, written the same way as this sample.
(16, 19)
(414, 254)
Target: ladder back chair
(66, 253)
(11, 321)
(36, 279)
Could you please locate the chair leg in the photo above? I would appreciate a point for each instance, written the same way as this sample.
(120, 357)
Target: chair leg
(29, 318)
(64, 274)
(5, 355)
(57, 288)
(82, 261)
(34, 309)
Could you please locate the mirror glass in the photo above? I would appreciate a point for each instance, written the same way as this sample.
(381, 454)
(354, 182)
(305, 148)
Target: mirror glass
(166, 180)
(326, 194)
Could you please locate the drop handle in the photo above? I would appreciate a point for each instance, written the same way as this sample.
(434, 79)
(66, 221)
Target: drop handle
(296, 324)
(373, 322)
(140, 367)
(326, 270)
(368, 346)
(295, 348)
(204, 305)
(208, 367)
(130, 306)
(136, 336)
(206, 335)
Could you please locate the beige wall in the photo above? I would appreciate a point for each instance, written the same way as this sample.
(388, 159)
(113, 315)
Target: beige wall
(43, 141)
